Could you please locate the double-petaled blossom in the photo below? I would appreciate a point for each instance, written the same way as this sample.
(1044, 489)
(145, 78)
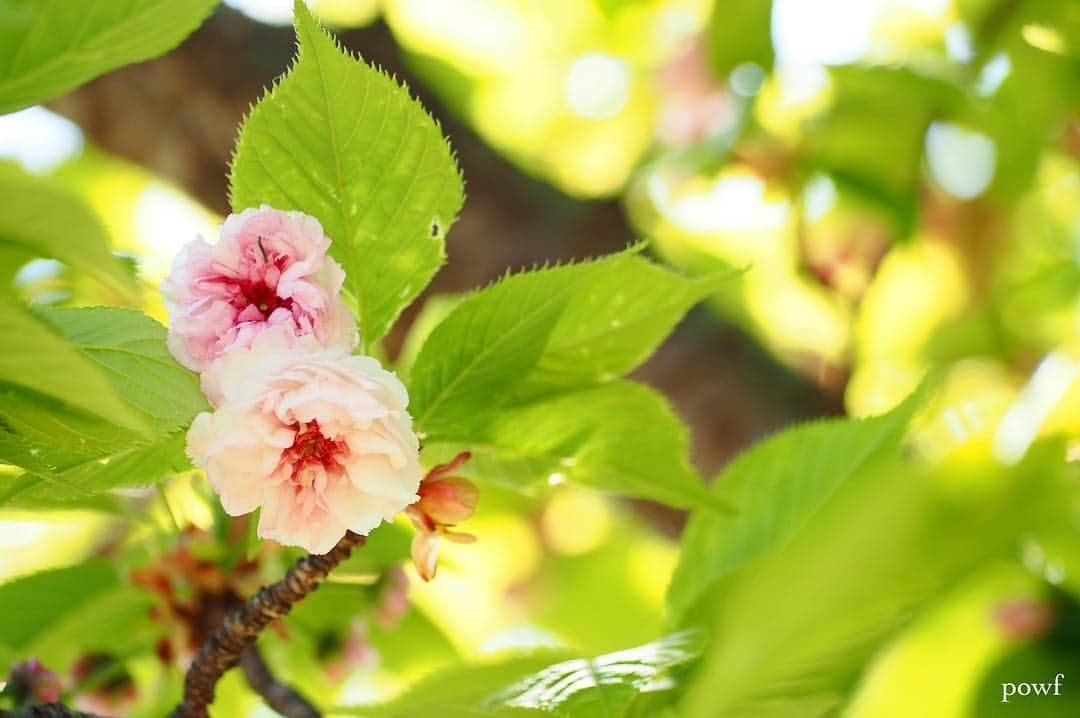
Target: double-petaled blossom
(268, 270)
(445, 501)
(318, 439)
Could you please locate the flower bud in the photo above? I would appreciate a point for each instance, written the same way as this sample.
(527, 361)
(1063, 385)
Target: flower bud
(448, 501)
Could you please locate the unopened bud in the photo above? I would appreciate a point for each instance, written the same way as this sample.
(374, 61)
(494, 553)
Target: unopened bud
(448, 501)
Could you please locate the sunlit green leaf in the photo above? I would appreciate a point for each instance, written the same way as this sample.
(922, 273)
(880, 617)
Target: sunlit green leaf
(342, 141)
(548, 330)
(40, 614)
(460, 691)
(794, 627)
(67, 448)
(473, 359)
(884, 166)
(740, 31)
(620, 437)
(545, 683)
(777, 486)
(129, 348)
(614, 323)
(35, 359)
(601, 687)
(431, 315)
(38, 218)
(136, 466)
(50, 46)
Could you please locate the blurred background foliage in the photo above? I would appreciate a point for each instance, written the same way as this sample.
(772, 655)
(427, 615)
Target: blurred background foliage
(897, 184)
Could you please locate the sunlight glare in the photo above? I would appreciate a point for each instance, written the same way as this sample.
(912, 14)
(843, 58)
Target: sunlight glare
(39, 140)
(597, 86)
(1021, 424)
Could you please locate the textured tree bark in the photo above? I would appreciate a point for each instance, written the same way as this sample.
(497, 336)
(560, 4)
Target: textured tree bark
(278, 696)
(223, 649)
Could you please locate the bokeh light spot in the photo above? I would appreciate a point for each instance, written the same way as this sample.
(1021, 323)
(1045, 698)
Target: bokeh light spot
(747, 78)
(597, 86)
(39, 140)
(576, 521)
(961, 160)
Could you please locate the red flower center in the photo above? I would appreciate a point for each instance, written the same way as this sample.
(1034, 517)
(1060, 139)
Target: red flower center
(261, 296)
(311, 448)
(259, 293)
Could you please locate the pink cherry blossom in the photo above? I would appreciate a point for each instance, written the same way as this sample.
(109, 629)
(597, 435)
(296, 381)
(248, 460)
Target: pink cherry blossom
(319, 439)
(269, 269)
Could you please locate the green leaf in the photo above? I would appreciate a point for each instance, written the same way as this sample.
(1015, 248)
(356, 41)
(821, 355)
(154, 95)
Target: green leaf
(777, 486)
(431, 315)
(459, 691)
(795, 627)
(35, 359)
(39, 218)
(544, 683)
(1036, 96)
(601, 687)
(884, 166)
(492, 339)
(740, 31)
(55, 615)
(48, 47)
(129, 348)
(69, 452)
(620, 437)
(535, 333)
(342, 141)
(137, 466)
(613, 323)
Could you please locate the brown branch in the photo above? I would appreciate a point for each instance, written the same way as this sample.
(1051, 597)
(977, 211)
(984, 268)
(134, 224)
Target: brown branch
(278, 696)
(222, 650)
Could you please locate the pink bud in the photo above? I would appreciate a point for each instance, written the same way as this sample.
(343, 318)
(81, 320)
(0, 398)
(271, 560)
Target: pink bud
(448, 501)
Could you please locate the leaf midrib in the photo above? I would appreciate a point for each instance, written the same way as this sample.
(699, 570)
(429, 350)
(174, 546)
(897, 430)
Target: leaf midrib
(341, 198)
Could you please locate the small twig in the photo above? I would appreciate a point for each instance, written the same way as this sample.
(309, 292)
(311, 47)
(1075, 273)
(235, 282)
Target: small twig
(222, 650)
(278, 696)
